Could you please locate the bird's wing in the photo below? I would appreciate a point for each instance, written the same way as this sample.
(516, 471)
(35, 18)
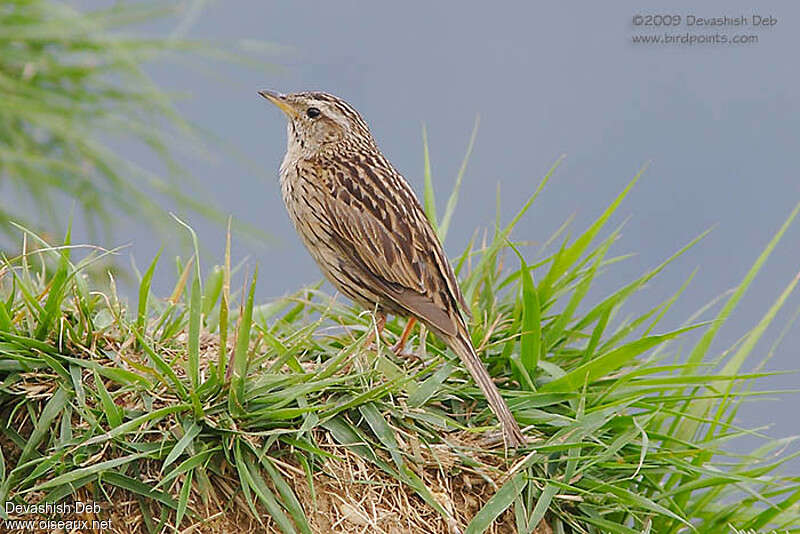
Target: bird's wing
(381, 228)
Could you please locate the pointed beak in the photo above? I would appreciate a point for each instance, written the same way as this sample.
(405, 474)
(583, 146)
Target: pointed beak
(279, 100)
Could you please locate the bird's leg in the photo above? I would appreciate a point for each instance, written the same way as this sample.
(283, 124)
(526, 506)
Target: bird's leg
(380, 322)
(401, 343)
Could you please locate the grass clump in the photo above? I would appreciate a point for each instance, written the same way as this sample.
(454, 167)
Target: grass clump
(205, 409)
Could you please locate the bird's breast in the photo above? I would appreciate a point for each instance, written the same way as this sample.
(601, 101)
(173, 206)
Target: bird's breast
(305, 203)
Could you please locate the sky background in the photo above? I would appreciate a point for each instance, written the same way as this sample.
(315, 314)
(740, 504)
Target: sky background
(718, 124)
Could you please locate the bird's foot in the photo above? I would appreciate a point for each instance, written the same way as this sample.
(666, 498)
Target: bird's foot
(408, 355)
(399, 347)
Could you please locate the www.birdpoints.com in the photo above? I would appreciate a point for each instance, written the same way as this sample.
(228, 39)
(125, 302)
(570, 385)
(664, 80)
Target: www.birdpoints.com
(46, 516)
(701, 30)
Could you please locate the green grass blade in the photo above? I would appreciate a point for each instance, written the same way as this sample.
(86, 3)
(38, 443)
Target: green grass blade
(144, 293)
(265, 495)
(139, 488)
(610, 361)
(185, 441)
(701, 349)
(183, 498)
(531, 328)
(193, 336)
(382, 431)
(162, 366)
(290, 501)
(430, 386)
(733, 366)
(6, 325)
(112, 412)
(498, 504)
(134, 424)
(241, 350)
(222, 357)
(452, 201)
(51, 410)
(429, 197)
(571, 254)
(94, 469)
(55, 296)
(542, 505)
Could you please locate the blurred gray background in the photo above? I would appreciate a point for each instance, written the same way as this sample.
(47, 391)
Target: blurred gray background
(719, 124)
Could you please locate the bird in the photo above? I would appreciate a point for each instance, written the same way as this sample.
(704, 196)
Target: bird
(367, 231)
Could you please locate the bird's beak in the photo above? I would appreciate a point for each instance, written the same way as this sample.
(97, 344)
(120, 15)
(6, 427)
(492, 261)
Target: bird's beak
(279, 100)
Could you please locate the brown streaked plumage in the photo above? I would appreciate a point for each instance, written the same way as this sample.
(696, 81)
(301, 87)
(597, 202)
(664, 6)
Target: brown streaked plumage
(362, 223)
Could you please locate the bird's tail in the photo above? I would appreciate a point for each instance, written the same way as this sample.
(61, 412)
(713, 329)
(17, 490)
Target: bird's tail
(462, 346)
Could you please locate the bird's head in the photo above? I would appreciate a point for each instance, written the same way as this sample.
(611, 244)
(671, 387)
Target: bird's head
(318, 120)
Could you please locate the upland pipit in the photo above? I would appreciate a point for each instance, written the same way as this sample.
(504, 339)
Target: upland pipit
(364, 226)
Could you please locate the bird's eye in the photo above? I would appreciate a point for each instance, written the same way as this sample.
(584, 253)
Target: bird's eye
(313, 113)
